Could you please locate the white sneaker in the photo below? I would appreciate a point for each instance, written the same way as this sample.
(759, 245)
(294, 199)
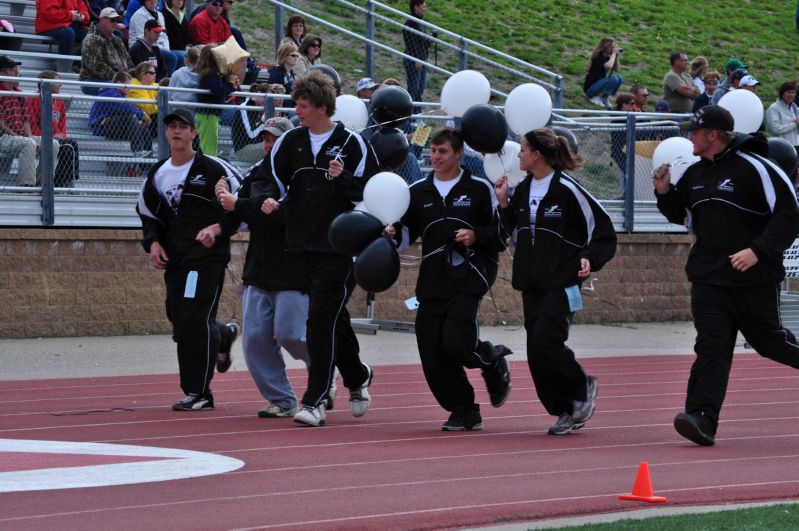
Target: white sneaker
(311, 416)
(359, 398)
(597, 100)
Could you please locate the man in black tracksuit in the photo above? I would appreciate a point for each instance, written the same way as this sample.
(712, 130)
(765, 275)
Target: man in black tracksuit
(187, 234)
(320, 169)
(456, 216)
(742, 209)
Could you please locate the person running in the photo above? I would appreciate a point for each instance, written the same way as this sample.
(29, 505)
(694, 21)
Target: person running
(742, 210)
(319, 170)
(563, 234)
(187, 235)
(456, 215)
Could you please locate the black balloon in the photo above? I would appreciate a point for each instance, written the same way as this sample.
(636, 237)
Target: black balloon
(350, 232)
(784, 154)
(378, 266)
(484, 128)
(391, 147)
(569, 136)
(391, 106)
(331, 73)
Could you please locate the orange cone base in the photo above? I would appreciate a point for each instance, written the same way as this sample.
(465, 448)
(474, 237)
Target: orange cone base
(650, 499)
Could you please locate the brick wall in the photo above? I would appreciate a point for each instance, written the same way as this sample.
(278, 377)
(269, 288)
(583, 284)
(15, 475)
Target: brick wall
(75, 282)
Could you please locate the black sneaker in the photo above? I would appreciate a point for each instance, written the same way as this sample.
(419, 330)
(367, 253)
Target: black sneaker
(497, 380)
(194, 402)
(464, 420)
(230, 333)
(696, 427)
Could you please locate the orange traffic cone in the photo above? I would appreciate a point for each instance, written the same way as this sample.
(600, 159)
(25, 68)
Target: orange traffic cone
(642, 490)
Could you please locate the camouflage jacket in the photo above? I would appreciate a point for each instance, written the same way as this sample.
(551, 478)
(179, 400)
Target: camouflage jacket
(102, 57)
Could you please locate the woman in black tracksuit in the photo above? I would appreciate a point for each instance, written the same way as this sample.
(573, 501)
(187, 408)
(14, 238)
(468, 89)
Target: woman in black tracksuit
(562, 235)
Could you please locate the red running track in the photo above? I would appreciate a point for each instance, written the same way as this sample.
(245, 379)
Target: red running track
(394, 468)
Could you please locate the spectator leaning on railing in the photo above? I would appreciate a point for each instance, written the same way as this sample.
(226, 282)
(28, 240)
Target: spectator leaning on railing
(103, 54)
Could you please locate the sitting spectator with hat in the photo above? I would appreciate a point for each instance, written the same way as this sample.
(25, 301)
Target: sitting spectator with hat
(366, 87)
(103, 53)
(145, 49)
(733, 65)
(749, 83)
(173, 59)
(13, 141)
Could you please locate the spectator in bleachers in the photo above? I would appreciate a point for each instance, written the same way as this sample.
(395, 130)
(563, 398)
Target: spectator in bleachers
(640, 95)
(711, 82)
(67, 169)
(662, 106)
(749, 83)
(67, 21)
(602, 79)
(103, 54)
(679, 90)
(733, 64)
(176, 24)
(186, 77)
(145, 49)
(21, 146)
(366, 87)
(121, 120)
(220, 87)
(283, 72)
(782, 116)
(129, 7)
(310, 54)
(248, 124)
(208, 26)
(277, 88)
(295, 31)
(625, 101)
(698, 68)
(173, 59)
(143, 75)
(417, 46)
(96, 6)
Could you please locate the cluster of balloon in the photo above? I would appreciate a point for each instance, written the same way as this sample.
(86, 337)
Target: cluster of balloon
(484, 128)
(784, 154)
(746, 109)
(359, 232)
(463, 90)
(506, 163)
(390, 107)
(351, 111)
(678, 153)
(528, 107)
(329, 72)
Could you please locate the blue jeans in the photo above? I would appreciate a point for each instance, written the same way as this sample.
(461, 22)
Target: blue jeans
(607, 85)
(66, 37)
(173, 59)
(416, 81)
(273, 319)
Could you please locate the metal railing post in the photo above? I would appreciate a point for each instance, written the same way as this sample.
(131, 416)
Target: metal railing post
(46, 158)
(463, 60)
(370, 34)
(558, 100)
(629, 176)
(278, 25)
(269, 108)
(163, 110)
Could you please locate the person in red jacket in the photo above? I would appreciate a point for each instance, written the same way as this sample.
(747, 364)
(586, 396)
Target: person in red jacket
(67, 21)
(208, 26)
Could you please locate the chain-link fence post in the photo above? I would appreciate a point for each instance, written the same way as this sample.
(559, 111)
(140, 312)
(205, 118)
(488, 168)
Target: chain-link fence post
(163, 109)
(370, 34)
(46, 156)
(278, 25)
(629, 176)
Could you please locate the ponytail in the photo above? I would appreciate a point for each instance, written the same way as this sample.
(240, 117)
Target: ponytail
(555, 149)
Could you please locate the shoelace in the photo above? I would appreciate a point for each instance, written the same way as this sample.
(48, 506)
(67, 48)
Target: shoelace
(189, 399)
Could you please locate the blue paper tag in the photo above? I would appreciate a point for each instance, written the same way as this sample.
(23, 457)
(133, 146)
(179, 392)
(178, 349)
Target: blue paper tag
(575, 299)
(191, 285)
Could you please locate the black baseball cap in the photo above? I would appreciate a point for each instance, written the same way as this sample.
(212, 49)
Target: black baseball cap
(7, 62)
(182, 114)
(710, 117)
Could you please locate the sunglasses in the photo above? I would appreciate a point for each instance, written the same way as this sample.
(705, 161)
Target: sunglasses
(711, 81)
(294, 54)
(151, 72)
(315, 45)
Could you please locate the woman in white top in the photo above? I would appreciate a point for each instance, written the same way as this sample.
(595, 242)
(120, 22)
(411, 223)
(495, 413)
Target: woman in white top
(782, 117)
(699, 67)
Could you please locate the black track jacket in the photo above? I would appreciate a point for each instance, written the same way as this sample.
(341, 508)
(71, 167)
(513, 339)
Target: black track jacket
(569, 225)
(736, 201)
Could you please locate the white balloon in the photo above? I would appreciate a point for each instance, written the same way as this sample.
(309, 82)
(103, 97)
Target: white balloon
(676, 151)
(386, 197)
(351, 111)
(464, 89)
(506, 162)
(528, 107)
(746, 109)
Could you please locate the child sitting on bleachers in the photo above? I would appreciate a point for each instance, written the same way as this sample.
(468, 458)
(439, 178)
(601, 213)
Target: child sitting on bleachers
(120, 120)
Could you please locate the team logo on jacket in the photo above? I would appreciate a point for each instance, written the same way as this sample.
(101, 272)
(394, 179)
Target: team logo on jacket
(334, 152)
(553, 212)
(726, 185)
(462, 201)
(199, 180)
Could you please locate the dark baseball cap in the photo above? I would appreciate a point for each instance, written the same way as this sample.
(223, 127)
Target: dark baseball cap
(153, 25)
(710, 117)
(7, 62)
(182, 114)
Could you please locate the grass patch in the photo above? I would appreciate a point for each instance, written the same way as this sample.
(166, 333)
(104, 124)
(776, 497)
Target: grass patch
(774, 518)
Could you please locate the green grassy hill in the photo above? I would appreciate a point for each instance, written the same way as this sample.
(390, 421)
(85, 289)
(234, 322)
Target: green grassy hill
(559, 35)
